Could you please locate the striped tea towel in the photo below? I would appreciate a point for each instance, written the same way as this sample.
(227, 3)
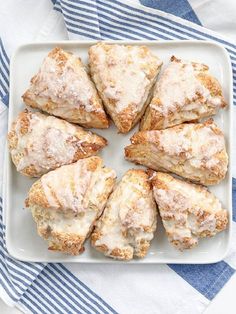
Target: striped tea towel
(131, 289)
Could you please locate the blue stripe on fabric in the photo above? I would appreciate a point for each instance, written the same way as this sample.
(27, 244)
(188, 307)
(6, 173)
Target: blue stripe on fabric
(4, 71)
(136, 26)
(179, 8)
(147, 16)
(40, 298)
(92, 3)
(141, 28)
(76, 7)
(28, 306)
(7, 290)
(59, 307)
(7, 280)
(37, 308)
(116, 8)
(70, 292)
(27, 267)
(14, 279)
(207, 279)
(73, 279)
(71, 30)
(34, 296)
(4, 63)
(18, 274)
(63, 302)
(77, 20)
(4, 52)
(36, 287)
(4, 89)
(84, 28)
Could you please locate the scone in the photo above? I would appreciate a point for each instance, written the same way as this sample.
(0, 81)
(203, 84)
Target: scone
(66, 202)
(39, 143)
(188, 211)
(63, 88)
(185, 92)
(129, 220)
(124, 77)
(193, 151)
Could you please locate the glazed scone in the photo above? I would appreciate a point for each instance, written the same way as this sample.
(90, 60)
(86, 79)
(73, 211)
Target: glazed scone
(124, 77)
(129, 220)
(63, 88)
(39, 143)
(188, 211)
(185, 92)
(66, 202)
(195, 151)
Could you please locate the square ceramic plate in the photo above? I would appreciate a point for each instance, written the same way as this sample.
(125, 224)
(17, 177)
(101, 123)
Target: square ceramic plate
(22, 240)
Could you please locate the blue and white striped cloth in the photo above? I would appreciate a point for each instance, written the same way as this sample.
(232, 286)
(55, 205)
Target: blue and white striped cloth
(71, 288)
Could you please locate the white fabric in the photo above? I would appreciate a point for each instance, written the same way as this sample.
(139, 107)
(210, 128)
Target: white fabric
(137, 290)
(35, 20)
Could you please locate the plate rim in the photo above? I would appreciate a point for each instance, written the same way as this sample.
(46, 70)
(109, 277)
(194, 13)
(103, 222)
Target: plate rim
(7, 159)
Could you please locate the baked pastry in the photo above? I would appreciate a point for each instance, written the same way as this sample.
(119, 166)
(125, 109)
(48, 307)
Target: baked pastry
(129, 220)
(66, 202)
(193, 151)
(124, 77)
(39, 143)
(63, 88)
(188, 211)
(185, 92)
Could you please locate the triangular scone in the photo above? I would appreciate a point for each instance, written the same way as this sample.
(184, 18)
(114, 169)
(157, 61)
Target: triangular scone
(193, 151)
(66, 202)
(39, 143)
(63, 88)
(124, 77)
(129, 220)
(185, 92)
(188, 211)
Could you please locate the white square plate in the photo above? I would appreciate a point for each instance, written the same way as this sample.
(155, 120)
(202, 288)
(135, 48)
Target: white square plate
(22, 240)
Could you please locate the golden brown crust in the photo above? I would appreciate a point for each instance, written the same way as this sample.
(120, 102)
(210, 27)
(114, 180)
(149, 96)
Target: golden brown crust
(33, 143)
(126, 227)
(66, 219)
(188, 211)
(45, 95)
(111, 66)
(185, 92)
(193, 151)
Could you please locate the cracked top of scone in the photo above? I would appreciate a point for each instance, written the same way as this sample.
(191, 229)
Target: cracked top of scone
(129, 220)
(186, 91)
(62, 87)
(188, 211)
(124, 76)
(39, 143)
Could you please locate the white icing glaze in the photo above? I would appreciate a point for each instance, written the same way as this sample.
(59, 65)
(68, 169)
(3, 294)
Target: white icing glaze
(187, 211)
(179, 83)
(130, 208)
(49, 142)
(76, 198)
(67, 85)
(57, 186)
(123, 73)
(72, 186)
(198, 144)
